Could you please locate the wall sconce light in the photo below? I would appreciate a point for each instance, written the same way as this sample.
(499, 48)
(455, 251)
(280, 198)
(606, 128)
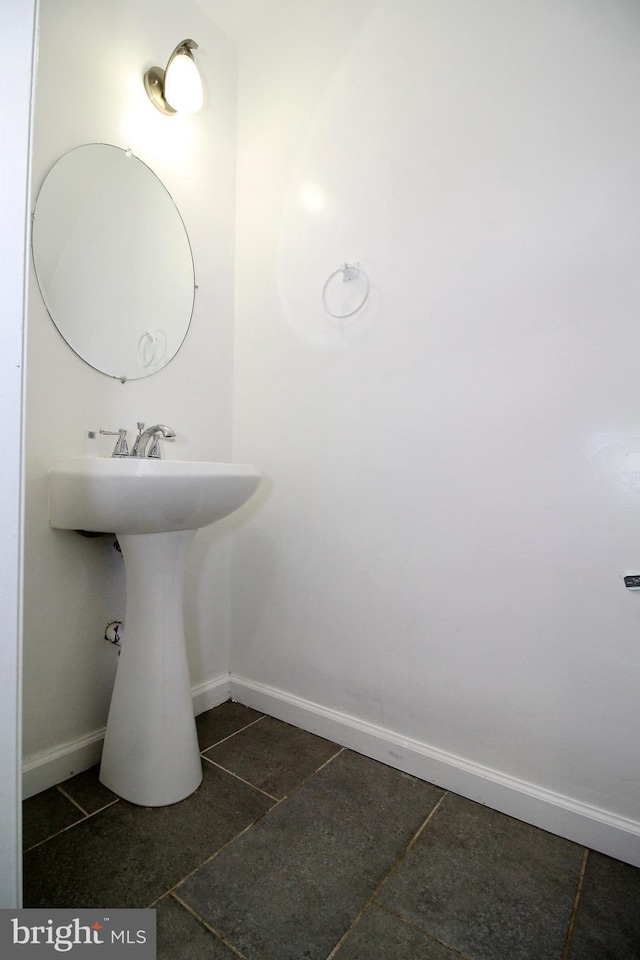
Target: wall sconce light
(177, 88)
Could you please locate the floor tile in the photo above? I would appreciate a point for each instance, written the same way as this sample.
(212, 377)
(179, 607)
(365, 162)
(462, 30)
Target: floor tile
(85, 788)
(488, 885)
(381, 936)
(45, 814)
(222, 721)
(128, 856)
(290, 887)
(182, 937)
(607, 923)
(273, 755)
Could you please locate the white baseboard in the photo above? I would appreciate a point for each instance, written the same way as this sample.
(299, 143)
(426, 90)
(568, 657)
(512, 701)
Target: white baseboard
(587, 825)
(210, 694)
(50, 767)
(46, 769)
(590, 826)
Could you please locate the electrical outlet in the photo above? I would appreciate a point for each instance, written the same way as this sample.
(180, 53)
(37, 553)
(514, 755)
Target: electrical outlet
(632, 581)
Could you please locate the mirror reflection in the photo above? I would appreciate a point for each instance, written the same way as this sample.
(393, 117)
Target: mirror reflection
(113, 261)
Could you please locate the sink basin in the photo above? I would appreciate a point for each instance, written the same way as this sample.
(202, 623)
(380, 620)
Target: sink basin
(151, 754)
(131, 495)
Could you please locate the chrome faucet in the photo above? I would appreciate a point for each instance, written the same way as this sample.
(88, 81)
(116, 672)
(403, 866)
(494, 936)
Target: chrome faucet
(121, 448)
(147, 443)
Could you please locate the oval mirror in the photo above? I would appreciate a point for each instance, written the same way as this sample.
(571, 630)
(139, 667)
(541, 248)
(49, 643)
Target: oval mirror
(113, 261)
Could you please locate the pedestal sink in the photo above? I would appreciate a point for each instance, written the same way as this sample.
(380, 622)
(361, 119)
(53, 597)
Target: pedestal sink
(154, 507)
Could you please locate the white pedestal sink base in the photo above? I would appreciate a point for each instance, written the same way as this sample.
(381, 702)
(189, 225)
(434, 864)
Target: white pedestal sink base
(151, 755)
(154, 506)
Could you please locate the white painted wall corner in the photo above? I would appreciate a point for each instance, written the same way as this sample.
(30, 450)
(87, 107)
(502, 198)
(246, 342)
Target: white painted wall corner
(53, 766)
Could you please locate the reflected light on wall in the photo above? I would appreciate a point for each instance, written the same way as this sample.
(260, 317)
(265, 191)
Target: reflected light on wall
(613, 457)
(312, 198)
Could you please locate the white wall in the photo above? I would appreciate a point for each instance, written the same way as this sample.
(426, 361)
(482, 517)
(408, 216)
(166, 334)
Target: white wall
(455, 474)
(17, 31)
(92, 58)
(436, 557)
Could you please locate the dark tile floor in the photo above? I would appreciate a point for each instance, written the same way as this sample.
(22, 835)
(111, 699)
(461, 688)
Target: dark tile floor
(296, 849)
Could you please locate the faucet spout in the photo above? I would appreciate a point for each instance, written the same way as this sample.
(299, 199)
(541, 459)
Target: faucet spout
(150, 438)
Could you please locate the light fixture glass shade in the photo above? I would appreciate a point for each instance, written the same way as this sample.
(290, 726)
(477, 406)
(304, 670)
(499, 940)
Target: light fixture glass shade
(182, 84)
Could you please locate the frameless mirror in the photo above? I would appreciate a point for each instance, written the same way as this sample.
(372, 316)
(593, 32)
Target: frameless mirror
(113, 261)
